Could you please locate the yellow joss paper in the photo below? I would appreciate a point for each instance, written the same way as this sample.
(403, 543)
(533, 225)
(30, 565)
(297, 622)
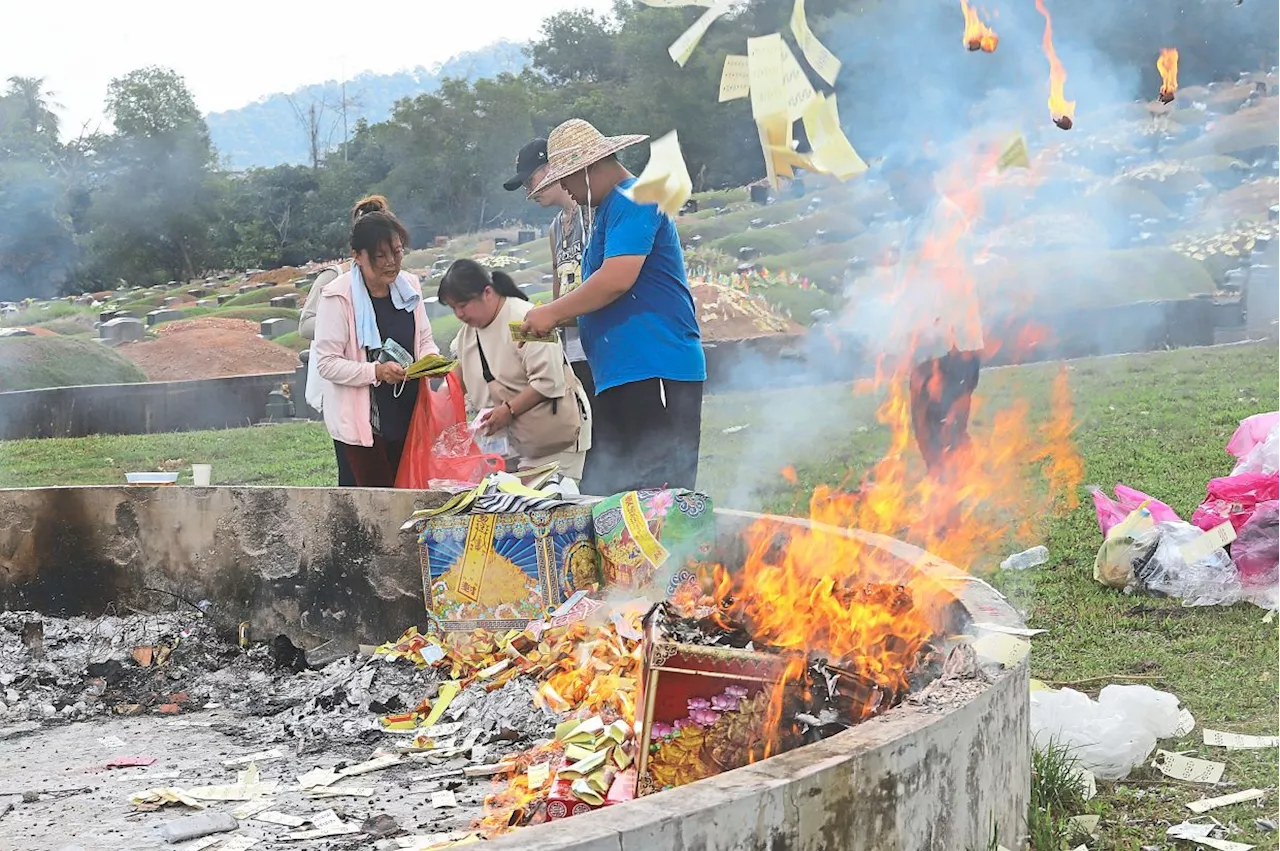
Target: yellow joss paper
(1014, 154)
(665, 180)
(583, 792)
(539, 775)
(578, 752)
(682, 48)
(764, 66)
(735, 78)
(820, 59)
(832, 153)
(448, 691)
(795, 85)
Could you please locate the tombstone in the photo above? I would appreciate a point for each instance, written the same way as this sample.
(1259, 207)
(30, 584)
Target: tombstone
(284, 301)
(203, 302)
(270, 329)
(690, 206)
(122, 329)
(170, 301)
(225, 276)
(156, 317)
(106, 315)
(756, 223)
(759, 193)
(197, 293)
(748, 252)
(524, 236)
(245, 288)
(548, 279)
(223, 298)
(265, 285)
(15, 332)
(501, 242)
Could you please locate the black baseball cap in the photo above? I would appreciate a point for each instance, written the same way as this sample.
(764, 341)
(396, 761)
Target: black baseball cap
(532, 157)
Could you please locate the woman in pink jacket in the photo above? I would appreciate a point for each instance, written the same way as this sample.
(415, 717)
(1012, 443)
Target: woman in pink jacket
(368, 408)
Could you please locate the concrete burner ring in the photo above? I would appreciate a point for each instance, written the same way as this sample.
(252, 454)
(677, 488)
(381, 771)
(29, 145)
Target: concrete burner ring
(947, 777)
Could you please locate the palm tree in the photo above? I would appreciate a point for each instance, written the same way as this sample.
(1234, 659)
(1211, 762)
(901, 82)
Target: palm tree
(35, 103)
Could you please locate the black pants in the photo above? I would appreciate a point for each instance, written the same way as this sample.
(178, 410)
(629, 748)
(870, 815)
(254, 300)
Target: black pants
(941, 392)
(346, 478)
(374, 466)
(588, 381)
(645, 435)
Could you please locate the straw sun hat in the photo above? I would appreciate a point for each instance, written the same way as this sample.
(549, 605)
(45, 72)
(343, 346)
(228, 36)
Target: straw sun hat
(574, 145)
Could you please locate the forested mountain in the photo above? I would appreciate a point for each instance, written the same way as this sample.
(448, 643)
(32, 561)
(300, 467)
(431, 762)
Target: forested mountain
(277, 129)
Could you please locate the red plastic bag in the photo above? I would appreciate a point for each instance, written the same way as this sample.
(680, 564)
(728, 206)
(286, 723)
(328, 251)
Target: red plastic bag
(1112, 511)
(1235, 498)
(439, 413)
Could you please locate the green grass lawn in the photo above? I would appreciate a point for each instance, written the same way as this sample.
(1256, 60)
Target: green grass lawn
(1157, 422)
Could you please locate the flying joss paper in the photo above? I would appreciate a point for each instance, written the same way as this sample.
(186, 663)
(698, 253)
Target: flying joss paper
(665, 180)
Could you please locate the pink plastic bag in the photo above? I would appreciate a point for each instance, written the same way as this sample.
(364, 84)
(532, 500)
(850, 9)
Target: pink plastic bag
(1255, 552)
(1112, 511)
(1235, 498)
(1252, 431)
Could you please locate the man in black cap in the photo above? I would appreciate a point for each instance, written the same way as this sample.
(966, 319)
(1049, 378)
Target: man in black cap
(568, 236)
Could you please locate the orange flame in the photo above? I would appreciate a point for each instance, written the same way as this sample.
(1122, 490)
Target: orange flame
(977, 35)
(1060, 109)
(817, 592)
(1167, 65)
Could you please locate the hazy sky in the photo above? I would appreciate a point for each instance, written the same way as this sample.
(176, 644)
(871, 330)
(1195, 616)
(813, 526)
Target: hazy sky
(232, 52)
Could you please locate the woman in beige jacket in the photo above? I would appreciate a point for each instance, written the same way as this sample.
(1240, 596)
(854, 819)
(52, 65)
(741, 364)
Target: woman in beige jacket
(531, 391)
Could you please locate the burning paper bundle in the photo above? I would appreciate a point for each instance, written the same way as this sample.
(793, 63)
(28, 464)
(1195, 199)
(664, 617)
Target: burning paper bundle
(977, 35)
(719, 694)
(1167, 65)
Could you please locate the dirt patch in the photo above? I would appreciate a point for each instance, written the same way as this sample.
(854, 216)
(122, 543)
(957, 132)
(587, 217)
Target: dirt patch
(209, 347)
(728, 314)
(283, 275)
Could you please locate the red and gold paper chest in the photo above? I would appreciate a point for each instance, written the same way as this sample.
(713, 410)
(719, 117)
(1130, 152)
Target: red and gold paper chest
(704, 708)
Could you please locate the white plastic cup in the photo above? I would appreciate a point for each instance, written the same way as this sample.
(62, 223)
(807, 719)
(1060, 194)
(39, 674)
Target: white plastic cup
(200, 474)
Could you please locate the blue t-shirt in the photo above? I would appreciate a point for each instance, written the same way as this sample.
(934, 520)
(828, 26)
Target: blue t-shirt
(652, 330)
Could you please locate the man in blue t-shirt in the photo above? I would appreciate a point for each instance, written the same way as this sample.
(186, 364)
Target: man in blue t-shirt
(636, 320)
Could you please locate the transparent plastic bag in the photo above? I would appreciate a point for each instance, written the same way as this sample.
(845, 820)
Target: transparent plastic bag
(1263, 458)
(1110, 736)
(1209, 581)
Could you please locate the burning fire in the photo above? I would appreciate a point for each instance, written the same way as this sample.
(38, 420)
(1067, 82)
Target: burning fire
(977, 35)
(1060, 109)
(821, 593)
(1167, 65)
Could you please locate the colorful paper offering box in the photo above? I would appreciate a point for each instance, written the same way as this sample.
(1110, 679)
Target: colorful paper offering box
(653, 542)
(705, 709)
(501, 571)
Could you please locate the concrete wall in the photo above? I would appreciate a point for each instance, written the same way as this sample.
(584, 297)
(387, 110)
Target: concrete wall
(314, 563)
(142, 408)
(317, 563)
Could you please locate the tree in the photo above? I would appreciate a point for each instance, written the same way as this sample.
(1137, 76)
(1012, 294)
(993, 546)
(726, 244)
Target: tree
(153, 215)
(151, 102)
(34, 105)
(575, 47)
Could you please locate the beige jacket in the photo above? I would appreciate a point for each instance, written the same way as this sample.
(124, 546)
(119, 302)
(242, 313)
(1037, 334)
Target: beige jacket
(542, 366)
(307, 318)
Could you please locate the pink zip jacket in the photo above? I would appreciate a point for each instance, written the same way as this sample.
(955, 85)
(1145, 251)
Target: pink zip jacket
(341, 361)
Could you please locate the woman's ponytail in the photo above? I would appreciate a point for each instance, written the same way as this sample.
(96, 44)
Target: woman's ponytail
(503, 285)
